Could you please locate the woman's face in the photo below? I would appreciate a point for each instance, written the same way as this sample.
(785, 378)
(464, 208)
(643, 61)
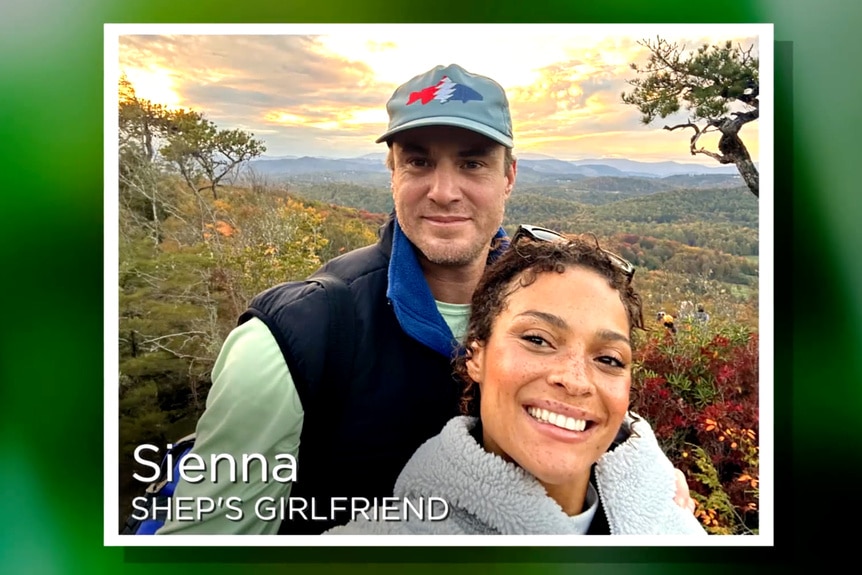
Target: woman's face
(555, 375)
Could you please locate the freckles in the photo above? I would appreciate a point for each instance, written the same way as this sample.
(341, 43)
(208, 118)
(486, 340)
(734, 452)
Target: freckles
(510, 377)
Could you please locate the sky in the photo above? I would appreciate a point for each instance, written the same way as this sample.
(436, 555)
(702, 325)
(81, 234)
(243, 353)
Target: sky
(321, 90)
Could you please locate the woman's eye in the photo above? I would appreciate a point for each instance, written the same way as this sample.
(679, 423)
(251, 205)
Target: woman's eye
(535, 340)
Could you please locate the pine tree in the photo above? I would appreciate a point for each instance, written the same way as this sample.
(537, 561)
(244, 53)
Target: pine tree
(719, 85)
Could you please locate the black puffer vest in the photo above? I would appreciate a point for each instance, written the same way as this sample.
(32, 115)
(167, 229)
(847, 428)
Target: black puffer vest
(358, 434)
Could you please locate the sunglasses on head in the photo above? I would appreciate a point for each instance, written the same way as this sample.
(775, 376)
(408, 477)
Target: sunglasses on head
(537, 233)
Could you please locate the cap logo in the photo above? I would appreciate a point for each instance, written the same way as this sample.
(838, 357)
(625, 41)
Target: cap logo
(443, 91)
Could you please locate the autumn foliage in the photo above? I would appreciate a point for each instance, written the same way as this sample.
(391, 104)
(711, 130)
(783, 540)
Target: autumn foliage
(699, 391)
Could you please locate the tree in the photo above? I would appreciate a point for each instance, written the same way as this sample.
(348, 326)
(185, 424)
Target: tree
(143, 126)
(142, 122)
(719, 85)
(199, 150)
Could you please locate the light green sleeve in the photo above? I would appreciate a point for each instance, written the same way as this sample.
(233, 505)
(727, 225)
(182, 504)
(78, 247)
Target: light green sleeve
(252, 408)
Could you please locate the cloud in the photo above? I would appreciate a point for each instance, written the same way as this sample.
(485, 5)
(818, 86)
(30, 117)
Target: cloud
(326, 95)
(264, 83)
(288, 69)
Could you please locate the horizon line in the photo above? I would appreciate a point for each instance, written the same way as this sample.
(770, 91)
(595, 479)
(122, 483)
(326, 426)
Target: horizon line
(545, 156)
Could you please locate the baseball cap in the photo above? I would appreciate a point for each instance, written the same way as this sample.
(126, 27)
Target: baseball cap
(451, 96)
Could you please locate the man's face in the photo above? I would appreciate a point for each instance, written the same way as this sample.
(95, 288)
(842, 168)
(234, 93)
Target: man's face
(450, 188)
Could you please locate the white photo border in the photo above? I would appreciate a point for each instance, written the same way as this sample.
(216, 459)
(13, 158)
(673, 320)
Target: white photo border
(765, 536)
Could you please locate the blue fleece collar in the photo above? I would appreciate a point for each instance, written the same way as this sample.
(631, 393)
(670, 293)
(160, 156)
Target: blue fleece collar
(411, 297)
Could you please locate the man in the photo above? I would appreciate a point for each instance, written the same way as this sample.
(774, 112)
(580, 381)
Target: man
(452, 170)
(701, 316)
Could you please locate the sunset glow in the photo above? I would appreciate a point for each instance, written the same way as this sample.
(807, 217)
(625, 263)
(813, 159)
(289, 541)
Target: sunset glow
(154, 84)
(322, 89)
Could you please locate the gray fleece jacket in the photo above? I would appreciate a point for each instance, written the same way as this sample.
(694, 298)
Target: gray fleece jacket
(488, 495)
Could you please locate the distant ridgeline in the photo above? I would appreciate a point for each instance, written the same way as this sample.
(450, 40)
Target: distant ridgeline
(612, 175)
(707, 208)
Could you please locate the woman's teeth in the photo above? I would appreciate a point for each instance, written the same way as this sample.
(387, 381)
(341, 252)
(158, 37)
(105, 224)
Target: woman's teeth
(557, 419)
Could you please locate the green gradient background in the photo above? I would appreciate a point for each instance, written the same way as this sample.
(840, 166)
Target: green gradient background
(51, 360)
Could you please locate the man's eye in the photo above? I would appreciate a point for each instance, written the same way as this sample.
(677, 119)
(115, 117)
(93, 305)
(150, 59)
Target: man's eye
(417, 162)
(472, 164)
(611, 361)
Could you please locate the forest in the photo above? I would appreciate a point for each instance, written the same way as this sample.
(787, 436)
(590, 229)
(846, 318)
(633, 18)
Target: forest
(197, 242)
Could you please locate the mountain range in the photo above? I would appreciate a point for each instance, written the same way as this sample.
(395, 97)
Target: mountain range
(540, 166)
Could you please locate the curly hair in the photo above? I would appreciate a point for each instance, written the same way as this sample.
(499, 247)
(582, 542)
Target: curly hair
(518, 267)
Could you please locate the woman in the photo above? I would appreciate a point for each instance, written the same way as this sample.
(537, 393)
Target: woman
(547, 370)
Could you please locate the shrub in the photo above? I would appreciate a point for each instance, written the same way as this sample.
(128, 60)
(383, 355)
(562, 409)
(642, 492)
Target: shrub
(699, 391)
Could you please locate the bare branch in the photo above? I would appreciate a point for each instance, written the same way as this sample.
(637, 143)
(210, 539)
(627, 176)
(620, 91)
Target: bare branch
(178, 354)
(171, 335)
(698, 132)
